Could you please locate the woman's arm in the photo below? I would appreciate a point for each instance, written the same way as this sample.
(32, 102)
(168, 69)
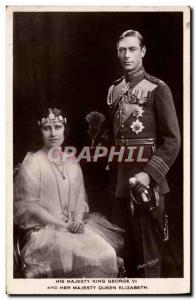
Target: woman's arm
(28, 204)
(43, 216)
(81, 205)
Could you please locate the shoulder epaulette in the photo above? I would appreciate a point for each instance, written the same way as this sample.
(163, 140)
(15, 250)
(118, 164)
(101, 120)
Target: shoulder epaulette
(154, 80)
(110, 99)
(144, 87)
(109, 96)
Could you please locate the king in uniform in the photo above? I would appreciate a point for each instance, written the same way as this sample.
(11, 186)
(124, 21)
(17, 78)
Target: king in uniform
(143, 115)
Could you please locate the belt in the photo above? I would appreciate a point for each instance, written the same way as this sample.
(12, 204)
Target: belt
(132, 142)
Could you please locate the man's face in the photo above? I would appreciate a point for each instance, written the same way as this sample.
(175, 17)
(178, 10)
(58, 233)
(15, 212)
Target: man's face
(130, 53)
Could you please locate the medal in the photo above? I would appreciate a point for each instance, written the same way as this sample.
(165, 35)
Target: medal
(137, 126)
(138, 112)
(125, 89)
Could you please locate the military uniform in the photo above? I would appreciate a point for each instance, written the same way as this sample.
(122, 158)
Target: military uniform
(143, 114)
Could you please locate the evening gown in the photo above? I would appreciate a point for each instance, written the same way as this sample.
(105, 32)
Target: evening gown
(52, 251)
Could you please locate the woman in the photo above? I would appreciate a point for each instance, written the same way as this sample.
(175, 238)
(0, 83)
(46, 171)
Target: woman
(50, 203)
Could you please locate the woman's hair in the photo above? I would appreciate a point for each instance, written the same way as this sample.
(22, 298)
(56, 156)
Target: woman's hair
(130, 33)
(51, 114)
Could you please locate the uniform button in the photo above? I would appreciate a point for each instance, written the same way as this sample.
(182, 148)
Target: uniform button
(122, 137)
(122, 126)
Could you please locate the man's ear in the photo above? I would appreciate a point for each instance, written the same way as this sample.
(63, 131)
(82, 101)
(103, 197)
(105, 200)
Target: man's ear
(143, 51)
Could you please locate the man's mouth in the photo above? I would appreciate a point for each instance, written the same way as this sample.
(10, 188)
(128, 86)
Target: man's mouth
(128, 62)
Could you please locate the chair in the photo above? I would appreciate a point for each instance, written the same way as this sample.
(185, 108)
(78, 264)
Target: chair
(19, 242)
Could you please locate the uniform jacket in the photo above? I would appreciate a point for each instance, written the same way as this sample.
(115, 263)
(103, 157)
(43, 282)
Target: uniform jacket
(141, 108)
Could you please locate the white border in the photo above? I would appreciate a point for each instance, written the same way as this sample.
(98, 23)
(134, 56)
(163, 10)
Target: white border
(155, 285)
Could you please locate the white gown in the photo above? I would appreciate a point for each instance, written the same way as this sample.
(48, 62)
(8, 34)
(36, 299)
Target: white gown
(52, 251)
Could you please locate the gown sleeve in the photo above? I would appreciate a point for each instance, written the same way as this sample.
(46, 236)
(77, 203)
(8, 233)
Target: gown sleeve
(27, 191)
(81, 205)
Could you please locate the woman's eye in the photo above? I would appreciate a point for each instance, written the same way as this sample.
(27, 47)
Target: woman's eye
(46, 128)
(58, 126)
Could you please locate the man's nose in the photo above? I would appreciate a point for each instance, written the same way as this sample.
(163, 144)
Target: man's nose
(127, 53)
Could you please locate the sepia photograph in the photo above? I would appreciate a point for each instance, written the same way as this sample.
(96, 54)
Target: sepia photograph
(98, 150)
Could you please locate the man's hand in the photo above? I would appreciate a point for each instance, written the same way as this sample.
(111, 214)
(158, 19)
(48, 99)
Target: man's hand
(140, 183)
(143, 178)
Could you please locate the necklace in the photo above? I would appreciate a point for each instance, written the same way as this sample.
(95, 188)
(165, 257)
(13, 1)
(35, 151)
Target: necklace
(67, 213)
(60, 168)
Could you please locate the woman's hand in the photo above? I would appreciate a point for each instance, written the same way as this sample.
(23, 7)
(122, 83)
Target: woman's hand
(76, 226)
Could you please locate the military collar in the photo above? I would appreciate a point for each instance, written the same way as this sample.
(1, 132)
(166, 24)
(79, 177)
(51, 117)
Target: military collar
(135, 75)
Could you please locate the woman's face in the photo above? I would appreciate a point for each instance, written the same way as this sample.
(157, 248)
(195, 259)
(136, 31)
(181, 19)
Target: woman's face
(53, 134)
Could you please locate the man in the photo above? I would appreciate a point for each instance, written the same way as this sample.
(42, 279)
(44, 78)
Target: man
(144, 120)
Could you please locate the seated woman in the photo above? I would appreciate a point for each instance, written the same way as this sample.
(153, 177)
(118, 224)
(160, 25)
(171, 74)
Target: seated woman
(50, 204)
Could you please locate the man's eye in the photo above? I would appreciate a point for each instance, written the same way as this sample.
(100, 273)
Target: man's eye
(122, 49)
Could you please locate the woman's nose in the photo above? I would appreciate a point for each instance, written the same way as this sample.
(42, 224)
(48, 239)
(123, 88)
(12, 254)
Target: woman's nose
(52, 132)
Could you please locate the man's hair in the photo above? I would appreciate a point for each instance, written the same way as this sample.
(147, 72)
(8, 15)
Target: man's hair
(134, 33)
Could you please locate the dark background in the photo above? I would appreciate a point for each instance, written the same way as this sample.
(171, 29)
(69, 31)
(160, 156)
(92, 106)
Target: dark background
(68, 60)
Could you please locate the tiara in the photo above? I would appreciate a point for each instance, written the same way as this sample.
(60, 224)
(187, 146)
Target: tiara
(52, 116)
